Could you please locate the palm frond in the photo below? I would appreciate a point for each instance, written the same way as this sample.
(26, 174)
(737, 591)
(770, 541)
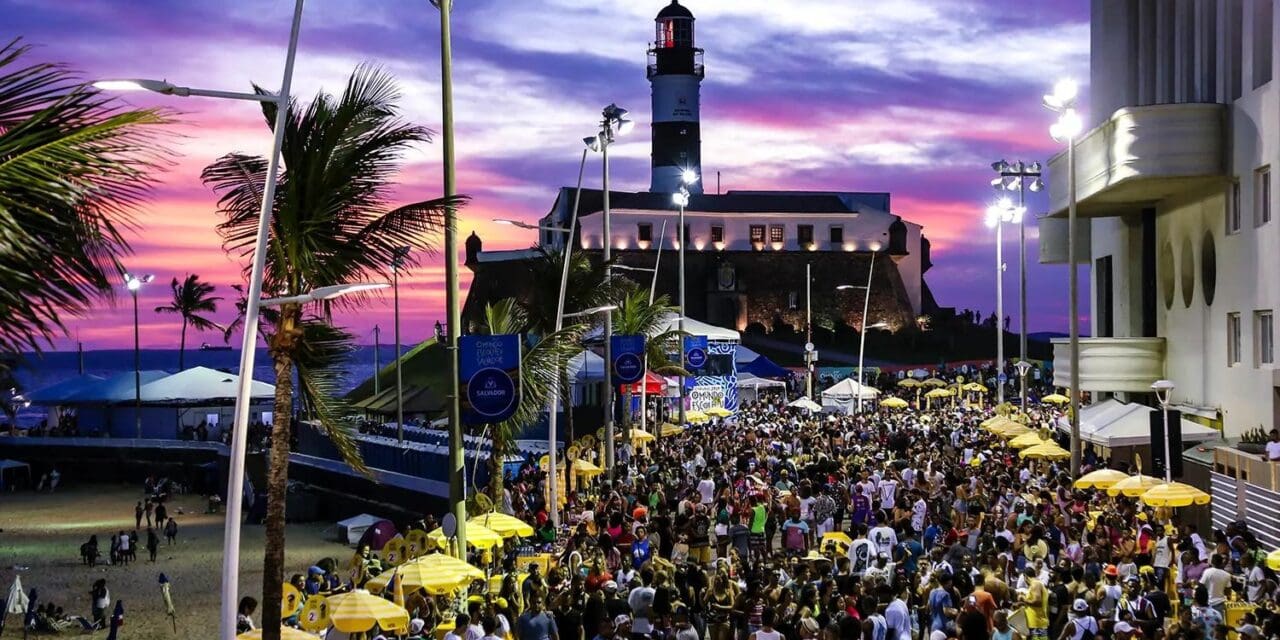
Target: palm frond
(73, 166)
(321, 361)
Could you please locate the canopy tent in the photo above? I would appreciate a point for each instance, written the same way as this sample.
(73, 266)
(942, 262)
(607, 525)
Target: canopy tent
(1113, 424)
(803, 402)
(671, 322)
(200, 386)
(116, 389)
(753, 363)
(654, 384)
(10, 469)
(425, 375)
(586, 367)
(843, 396)
(58, 392)
(749, 386)
(353, 528)
(417, 399)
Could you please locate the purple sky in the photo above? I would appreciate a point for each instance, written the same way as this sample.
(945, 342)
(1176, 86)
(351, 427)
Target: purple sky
(912, 97)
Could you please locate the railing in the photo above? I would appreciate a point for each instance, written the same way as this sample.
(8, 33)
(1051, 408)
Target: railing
(1248, 467)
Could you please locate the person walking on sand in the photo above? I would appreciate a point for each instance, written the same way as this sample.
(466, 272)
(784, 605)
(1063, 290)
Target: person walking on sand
(137, 515)
(150, 509)
(124, 548)
(153, 543)
(162, 514)
(171, 531)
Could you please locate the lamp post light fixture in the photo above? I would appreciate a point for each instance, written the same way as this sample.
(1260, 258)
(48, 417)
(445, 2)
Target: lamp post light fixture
(133, 283)
(1020, 176)
(1164, 389)
(1062, 101)
(399, 256)
(688, 178)
(997, 216)
(240, 425)
(613, 123)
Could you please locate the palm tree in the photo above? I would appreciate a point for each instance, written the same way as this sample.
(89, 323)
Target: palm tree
(332, 224)
(539, 367)
(191, 297)
(637, 315)
(72, 166)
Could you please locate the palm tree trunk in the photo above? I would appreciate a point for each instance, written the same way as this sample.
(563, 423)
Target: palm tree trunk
(283, 345)
(182, 346)
(496, 454)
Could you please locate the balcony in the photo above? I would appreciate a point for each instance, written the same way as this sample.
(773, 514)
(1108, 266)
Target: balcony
(1142, 155)
(1111, 364)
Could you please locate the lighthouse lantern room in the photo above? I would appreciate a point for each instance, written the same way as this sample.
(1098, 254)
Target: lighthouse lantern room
(675, 75)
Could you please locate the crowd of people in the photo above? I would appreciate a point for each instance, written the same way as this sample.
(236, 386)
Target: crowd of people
(885, 525)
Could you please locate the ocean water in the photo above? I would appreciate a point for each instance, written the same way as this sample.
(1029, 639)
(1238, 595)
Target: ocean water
(40, 370)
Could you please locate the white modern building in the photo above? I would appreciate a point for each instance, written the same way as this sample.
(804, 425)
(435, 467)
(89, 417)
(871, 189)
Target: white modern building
(1176, 207)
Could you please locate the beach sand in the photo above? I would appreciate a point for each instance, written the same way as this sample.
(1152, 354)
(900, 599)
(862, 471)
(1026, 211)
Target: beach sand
(43, 533)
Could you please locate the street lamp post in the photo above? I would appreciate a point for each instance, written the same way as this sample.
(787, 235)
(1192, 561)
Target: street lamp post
(1020, 176)
(398, 258)
(997, 215)
(133, 283)
(866, 308)
(613, 123)
(240, 426)
(457, 462)
(1062, 101)
(687, 178)
(1164, 389)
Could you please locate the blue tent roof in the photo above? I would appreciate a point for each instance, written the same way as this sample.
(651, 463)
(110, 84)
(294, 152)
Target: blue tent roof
(57, 392)
(763, 367)
(116, 389)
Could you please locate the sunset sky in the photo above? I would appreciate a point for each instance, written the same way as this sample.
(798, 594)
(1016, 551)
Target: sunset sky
(912, 97)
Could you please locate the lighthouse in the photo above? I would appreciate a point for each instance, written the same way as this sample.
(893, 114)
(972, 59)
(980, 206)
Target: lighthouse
(675, 76)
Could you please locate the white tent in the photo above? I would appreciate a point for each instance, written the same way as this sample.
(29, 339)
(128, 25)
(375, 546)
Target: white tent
(671, 322)
(1113, 424)
(803, 402)
(200, 386)
(843, 396)
(353, 528)
(749, 386)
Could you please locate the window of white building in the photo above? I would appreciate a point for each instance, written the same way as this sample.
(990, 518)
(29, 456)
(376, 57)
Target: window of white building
(1262, 195)
(1233, 208)
(1264, 337)
(1233, 339)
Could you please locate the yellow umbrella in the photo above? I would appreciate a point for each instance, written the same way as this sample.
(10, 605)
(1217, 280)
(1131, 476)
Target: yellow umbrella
(1273, 560)
(719, 412)
(584, 467)
(894, 403)
(639, 435)
(1134, 486)
(1046, 451)
(477, 536)
(1100, 479)
(436, 573)
(975, 386)
(1026, 440)
(1055, 398)
(694, 417)
(839, 537)
(669, 429)
(909, 383)
(501, 524)
(939, 393)
(934, 382)
(1175, 494)
(1012, 429)
(994, 421)
(359, 610)
(286, 633)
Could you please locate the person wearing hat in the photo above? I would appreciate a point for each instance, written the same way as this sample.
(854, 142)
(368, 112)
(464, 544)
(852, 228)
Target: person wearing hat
(1108, 593)
(416, 629)
(1122, 631)
(622, 627)
(1080, 625)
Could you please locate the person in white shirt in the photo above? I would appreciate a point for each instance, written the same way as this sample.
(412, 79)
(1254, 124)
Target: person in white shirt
(897, 616)
(1216, 580)
(707, 490)
(1254, 578)
(1273, 446)
(883, 536)
(918, 512)
(888, 493)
